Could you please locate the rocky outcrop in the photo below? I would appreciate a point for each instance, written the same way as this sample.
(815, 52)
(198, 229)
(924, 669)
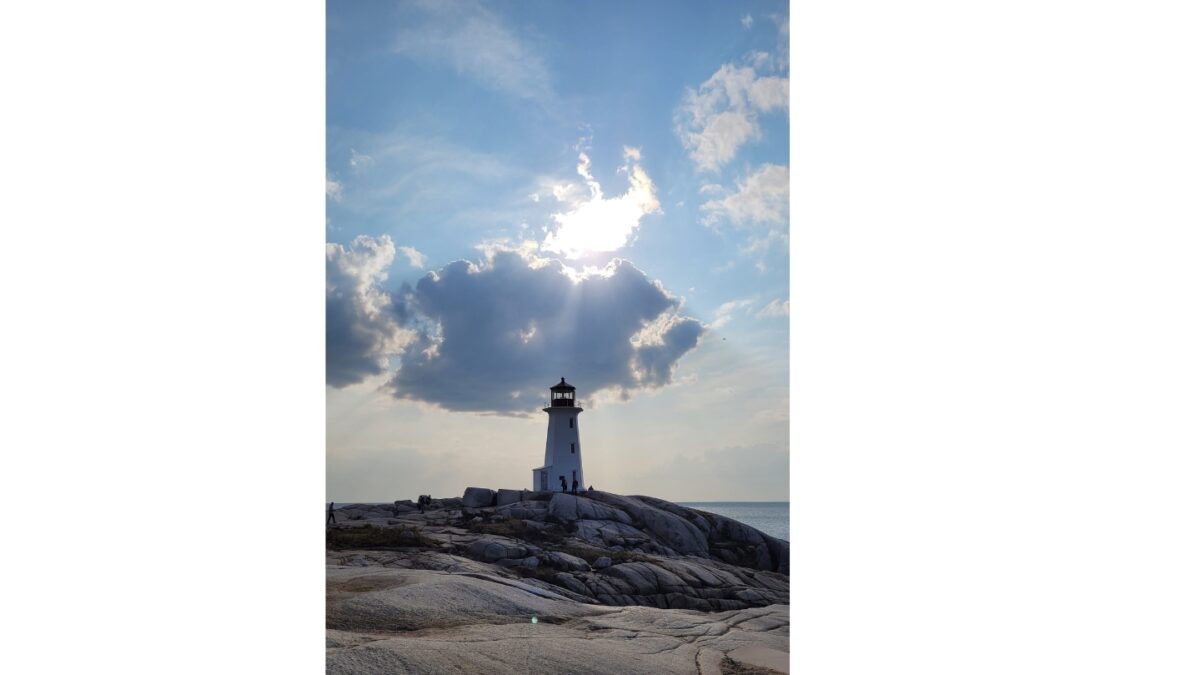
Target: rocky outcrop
(568, 508)
(382, 618)
(475, 497)
(603, 548)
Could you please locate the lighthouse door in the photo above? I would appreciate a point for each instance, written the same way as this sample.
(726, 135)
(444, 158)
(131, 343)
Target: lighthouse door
(545, 484)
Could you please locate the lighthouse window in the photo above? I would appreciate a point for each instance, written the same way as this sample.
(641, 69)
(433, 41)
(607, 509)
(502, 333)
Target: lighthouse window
(571, 422)
(572, 448)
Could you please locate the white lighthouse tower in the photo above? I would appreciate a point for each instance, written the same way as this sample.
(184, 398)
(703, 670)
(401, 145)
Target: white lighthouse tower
(564, 459)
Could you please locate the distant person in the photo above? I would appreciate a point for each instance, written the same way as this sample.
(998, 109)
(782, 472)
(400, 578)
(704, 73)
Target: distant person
(564, 483)
(574, 486)
(589, 488)
(330, 518)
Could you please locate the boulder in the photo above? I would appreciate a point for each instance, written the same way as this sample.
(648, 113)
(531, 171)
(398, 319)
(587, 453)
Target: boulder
(491, 550)
(674, 531)
(477, 497)
(569, 508)
(602, 562)
(608, 533)
(535, 511)
(566, 561)
(569, 582)
(505, 497)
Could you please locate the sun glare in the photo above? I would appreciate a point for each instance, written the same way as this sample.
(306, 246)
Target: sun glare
(600, 225)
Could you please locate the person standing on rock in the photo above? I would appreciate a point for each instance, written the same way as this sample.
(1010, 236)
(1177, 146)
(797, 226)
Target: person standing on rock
(574, 486)
(563, 480)
(330, 518)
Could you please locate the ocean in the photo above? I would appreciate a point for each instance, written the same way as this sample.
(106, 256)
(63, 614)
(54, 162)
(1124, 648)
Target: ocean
(770, 517)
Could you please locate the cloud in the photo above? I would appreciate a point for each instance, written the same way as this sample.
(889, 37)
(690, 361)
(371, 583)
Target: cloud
(493, 336)
(361, 323)
(598, 224)
(782, 50)
(775, 308)
(760, 60)
(724, 313)
(747, 21)
(714, 121)
(359, 161)
(477, 193)
(761, 197)
(333, 189)
(415, 257)
(758, 205)
(478, 44)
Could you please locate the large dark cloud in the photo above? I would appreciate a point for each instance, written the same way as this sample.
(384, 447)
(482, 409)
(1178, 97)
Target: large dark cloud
(493, 336)
(496, 336)
(361, 325)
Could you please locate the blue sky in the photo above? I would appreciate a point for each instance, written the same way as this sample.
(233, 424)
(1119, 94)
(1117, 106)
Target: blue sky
(527, 190)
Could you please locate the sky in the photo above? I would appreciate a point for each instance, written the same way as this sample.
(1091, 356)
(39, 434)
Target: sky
(522, 191)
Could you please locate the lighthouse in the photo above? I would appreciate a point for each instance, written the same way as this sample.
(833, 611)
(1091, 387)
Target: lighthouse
(564, 459)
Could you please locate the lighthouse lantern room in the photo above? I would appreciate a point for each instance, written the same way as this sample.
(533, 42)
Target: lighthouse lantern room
(563, 465)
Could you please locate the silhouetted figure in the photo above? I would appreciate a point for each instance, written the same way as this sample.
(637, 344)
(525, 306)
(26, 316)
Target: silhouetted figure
(574, 486)
(589, 488)
(423, 501)
(563, 480)
(330, 519)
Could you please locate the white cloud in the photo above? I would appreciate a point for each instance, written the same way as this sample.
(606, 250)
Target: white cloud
(747, 21)
(415, 257)
(758, 205)
(598, 224)
(724, 313)
(359, 161)
(775, 308)
(714, 121)
(782, 50)
(333, 189)
(760, 60)
(478, 44)
(761, 197)
(764, 243)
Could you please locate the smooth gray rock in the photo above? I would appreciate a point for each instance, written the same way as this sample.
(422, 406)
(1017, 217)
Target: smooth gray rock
(384, 621)
(569, 508)
(491, 550)
(506, 497)
(524, 511)
(477, 497)
(566, 561)
(602, 562)
(607, 534)
(674, 531)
